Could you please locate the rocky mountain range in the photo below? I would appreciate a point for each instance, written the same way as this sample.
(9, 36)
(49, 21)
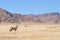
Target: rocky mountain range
(7, 17)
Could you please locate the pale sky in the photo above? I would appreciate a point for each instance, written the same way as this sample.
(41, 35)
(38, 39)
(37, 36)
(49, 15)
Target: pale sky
(30, 6)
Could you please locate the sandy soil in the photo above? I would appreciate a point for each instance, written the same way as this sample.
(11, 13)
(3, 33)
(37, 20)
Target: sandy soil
(31, 32)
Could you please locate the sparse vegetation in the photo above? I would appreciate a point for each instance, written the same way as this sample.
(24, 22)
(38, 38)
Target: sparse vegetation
(31, 32)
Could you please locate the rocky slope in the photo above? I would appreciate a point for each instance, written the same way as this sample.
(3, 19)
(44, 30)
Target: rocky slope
(8, 17)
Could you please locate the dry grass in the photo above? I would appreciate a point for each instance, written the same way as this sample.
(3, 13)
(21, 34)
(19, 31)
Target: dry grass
(31, 32)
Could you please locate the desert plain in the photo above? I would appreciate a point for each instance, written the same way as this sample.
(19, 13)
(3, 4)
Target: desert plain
(31, 32)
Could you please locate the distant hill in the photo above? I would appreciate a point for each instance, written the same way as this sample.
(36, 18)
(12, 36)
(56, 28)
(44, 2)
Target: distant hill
(7, 17)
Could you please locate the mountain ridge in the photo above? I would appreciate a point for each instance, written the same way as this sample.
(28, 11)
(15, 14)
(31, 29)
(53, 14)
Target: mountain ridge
(7, 17)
